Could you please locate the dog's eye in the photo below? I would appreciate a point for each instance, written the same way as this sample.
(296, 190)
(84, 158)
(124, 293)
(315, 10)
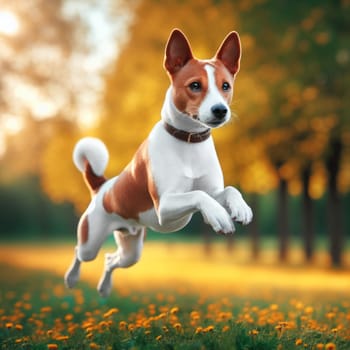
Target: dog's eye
(226, 86)
(196, 86)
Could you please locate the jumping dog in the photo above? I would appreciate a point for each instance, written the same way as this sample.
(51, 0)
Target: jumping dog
(174, 173)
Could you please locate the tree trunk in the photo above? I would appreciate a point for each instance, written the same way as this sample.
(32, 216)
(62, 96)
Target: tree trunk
(308, 216)
(230, 243)
(254, 228)
(282, 217)
(333, 204)
(207, 238)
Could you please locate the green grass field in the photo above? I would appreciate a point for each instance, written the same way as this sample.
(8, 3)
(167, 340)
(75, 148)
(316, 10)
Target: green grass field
(37, 312)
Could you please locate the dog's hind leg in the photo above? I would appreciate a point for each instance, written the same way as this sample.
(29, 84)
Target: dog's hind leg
(73, 273)
(128, 253)
(92, 232)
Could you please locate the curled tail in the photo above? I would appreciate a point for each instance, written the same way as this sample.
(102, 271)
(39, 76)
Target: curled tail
(90, 156)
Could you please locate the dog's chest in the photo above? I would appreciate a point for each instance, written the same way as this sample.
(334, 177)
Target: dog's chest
(180, 166)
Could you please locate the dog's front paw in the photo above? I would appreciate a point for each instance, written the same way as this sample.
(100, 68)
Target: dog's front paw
(217, 217)
(237, 207)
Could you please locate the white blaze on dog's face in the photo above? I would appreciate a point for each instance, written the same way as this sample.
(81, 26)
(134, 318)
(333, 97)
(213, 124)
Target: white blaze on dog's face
(203, 89)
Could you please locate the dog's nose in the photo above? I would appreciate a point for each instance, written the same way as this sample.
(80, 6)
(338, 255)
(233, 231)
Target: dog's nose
(219, 111)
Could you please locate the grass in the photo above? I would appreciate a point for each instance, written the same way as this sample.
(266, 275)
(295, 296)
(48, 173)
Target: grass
(37, 312)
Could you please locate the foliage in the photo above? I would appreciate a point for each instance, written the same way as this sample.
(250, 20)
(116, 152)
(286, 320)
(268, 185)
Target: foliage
(38, 313)
(289, 96)
(27, 212)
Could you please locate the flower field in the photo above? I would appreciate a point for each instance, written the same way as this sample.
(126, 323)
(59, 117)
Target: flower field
(37, 312)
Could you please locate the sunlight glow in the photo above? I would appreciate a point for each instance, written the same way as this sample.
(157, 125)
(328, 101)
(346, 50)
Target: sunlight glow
(9, 23)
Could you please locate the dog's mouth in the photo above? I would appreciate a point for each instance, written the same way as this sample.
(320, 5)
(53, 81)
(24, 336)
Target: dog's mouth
(215, 123)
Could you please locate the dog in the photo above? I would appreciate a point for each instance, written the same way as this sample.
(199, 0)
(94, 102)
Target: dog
(174, 173)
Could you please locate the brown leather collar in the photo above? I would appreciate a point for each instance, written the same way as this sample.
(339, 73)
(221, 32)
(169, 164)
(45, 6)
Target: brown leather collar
(190, 137)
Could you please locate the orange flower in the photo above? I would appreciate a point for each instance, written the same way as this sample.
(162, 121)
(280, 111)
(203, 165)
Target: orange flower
(199, 330)
(68, 317)
(178, 326)
(62, 337)
(19, 327)
(298, 342)
(330, 346)
(52, 346)
(225, 328)
(195, 315)
(46, 309)
(123, 325)
(159, 337)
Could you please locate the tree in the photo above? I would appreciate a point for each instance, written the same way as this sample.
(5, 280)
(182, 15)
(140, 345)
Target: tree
(303, 73)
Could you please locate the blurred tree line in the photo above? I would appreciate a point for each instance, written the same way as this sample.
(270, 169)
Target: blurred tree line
(292, 134)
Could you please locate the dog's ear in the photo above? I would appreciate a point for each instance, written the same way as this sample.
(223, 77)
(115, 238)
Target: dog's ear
(229, 52)
(177, 53)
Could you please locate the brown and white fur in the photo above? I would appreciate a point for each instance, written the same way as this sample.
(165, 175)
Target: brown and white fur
(170, 177)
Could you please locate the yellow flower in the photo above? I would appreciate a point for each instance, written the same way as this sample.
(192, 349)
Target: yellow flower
(199, 330)
(94, 346)
(309, 310)
(9, 325)
(110, 312)
(159, 337)
(161, 316)
(208, 329)
(279, 328)
(330, 315)
(103, 324)
(330, 346)
(298, 342)
(319, 346)
(174, 310)
(274, 307)
(223, 316)
(123, 325)
(19, 327)
(254, 332)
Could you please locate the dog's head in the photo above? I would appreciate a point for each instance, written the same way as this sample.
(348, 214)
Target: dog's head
(203, 89)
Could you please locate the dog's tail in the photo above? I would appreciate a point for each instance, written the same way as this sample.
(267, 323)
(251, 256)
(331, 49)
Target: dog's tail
(91, 156)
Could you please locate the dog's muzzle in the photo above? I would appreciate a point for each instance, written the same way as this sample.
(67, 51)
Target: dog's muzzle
(219, 113)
